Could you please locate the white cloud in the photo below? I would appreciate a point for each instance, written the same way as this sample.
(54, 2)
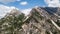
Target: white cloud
(53, 3)
(8, 1)
(4, 9)
(26, 11)
(23, 3)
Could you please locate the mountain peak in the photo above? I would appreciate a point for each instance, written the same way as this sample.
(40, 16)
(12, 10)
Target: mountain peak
(14, 11)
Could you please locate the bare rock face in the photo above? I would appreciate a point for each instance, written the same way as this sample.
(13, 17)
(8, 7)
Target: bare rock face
(43, 20)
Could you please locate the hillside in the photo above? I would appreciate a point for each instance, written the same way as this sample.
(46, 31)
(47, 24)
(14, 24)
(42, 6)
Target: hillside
(41, 20)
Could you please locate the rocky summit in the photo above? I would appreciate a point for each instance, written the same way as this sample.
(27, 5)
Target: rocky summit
(40, 20)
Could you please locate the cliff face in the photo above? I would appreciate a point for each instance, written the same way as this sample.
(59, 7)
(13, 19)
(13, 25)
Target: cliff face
(41, 20)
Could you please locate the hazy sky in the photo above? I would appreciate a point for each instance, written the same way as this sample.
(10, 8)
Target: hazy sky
(23, 4)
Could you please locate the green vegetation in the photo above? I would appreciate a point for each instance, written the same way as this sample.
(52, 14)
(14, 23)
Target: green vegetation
(11, 23)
